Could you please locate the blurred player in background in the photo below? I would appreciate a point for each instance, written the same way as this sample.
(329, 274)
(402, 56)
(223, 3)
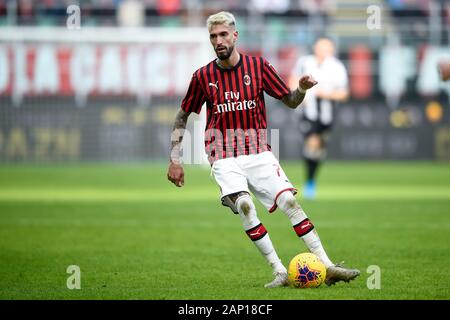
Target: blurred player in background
(233, 87)
(316, 117)
(444, 69)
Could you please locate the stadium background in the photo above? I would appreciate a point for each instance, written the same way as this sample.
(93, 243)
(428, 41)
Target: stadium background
(96, 93)
(85, 119)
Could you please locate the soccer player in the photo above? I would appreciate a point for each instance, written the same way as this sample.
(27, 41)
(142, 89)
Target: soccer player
(316, 117)
(233, 86)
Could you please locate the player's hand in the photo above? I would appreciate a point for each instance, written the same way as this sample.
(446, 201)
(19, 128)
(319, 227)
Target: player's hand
(176, 174)
(307, 82)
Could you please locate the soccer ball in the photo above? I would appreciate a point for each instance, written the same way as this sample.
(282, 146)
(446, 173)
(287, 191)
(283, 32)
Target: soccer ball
(306, 271)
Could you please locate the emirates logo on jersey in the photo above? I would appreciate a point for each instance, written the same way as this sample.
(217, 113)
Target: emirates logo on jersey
(247, 80)
(233, 103)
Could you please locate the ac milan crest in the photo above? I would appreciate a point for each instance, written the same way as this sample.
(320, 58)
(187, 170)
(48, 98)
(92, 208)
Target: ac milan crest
(247, 80)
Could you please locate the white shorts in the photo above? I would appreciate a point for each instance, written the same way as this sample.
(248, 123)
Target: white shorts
(259, 173)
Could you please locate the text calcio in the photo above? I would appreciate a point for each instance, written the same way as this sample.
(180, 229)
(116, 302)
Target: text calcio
(234, 105)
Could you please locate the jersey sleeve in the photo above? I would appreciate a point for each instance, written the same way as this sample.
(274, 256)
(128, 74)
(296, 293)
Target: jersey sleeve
(272, 83)
(195, 96)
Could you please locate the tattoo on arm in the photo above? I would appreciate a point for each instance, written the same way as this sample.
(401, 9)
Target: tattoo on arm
(177, 135)
(293, 99)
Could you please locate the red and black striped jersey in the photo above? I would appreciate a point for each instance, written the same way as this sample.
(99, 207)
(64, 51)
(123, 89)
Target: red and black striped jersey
(236, 114)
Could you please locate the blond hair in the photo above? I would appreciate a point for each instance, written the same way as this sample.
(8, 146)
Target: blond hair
(223, 17)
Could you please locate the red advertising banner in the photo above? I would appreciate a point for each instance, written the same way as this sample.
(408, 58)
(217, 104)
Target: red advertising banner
(48, 69)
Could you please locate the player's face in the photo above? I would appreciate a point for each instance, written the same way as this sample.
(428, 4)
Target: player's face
(222, 39)
(324, 48)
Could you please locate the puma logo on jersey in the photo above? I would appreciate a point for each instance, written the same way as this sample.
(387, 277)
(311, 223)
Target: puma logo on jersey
(214, 85)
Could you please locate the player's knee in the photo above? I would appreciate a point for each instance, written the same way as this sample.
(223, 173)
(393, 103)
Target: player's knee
(287, 201)
(247, 211)
(244, 204)
(314, 142)
(289, 205)
(313, 153)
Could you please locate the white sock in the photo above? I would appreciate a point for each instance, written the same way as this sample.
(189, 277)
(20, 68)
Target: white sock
(314, 245)
(266, 248)
(257, 232)
(303, 226)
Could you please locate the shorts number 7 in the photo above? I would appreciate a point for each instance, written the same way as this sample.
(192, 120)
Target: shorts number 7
(278, 169)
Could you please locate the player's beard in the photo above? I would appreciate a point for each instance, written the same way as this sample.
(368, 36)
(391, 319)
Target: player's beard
(224, 55)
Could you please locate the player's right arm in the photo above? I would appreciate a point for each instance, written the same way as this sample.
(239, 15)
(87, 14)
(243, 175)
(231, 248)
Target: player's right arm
(192, 102)
(176, 173)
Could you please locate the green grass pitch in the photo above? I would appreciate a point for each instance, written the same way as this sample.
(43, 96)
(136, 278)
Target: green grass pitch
(136, 236)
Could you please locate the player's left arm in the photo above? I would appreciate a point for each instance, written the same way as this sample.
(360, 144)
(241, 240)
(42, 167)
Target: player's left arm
(295, 97)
